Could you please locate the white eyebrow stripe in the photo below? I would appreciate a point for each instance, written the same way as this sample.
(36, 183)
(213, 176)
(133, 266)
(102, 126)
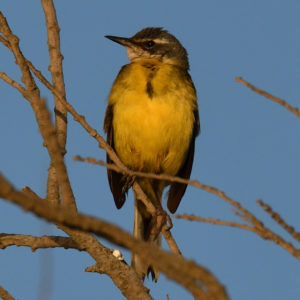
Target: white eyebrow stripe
(158, 41)
(161, 41)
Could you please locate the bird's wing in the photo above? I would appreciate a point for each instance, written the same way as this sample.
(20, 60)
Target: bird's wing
(177, 190)
(115, 179)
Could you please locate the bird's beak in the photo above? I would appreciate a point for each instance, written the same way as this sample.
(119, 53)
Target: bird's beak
(120, 40)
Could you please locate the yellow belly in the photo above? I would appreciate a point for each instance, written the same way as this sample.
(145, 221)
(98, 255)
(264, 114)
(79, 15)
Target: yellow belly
(152, 134)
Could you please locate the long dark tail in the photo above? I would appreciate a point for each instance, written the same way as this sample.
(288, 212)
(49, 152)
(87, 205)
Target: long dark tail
(141, 231)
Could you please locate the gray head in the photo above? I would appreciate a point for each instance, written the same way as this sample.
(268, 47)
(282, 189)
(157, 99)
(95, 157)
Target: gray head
(154, 42)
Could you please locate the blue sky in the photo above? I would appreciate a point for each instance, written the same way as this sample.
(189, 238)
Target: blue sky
(248, 147)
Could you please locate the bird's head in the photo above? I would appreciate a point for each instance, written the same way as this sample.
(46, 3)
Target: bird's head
(154, 43)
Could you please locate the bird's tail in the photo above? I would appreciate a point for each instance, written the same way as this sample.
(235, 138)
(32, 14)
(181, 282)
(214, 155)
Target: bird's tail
(141, 231)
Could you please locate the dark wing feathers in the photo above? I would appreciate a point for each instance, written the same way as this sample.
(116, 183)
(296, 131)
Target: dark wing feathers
(177, 189)
(114, 178)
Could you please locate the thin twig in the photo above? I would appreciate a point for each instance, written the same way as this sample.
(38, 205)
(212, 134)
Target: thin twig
(262, 231)
(35, 71)
(278, 219)
(38, 242)
(13, 41)
(214, 221)
(170, 240)
(169, 178)
(282, 102)
(13, 83)
(243, 213)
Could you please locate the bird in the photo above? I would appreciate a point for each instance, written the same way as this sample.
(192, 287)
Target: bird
(151, 122)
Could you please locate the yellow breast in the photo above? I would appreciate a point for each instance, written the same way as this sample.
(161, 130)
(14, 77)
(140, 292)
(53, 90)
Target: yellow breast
(153, 116)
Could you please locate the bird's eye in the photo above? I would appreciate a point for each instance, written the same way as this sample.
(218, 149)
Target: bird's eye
(149, 44)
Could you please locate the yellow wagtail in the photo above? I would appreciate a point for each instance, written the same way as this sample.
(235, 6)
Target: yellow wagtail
(152, 121)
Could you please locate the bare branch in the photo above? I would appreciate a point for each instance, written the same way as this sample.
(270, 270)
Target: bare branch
(260, 230)
(49, 134)
(282, 102)
(214, 221)
(247, 216)
(4, 41)
(5, 295)
(134, 291)
(187, 273)
(169, 178)
(37, 242)
(13, 42)
(41, 114)
(12, 83)
(124, 277)
(170, 240)
(35, 71)
(278, 219)
(56, 70)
